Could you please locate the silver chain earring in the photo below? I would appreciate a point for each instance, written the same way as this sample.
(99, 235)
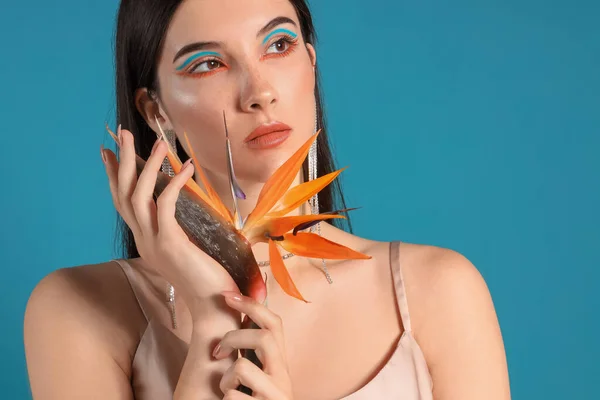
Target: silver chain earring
(314, 200)
(312, 174)
(166, 165)
(168, 170)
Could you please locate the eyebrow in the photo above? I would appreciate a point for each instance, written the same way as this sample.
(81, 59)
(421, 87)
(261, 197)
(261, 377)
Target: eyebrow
(194, 47)
(203, 45)
(273, 23)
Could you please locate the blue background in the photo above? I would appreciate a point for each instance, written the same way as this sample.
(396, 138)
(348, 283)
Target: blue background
(473, 125)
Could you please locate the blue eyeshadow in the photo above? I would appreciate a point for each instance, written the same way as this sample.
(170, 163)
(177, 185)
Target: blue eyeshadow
(280, 30)
(197, 55)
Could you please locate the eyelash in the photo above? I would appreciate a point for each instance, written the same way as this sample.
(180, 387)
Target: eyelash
(290, 40)
(189, 72)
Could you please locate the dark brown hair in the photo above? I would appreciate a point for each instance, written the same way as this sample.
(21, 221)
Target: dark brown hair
(140, 31)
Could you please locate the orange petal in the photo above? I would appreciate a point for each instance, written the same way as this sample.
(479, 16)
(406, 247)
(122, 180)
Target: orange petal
(193, 186)
(215, 200)
(297, 195)
(177, 165)
(281, 274)
(282, 225)
(279, 182)
(312, 245)
(172, 155)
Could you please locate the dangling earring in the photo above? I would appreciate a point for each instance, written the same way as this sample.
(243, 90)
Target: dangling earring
(167, 169)
(166, 165)
(312, 174)
(314, 200)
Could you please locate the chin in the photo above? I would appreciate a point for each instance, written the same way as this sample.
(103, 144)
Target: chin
(261, 170)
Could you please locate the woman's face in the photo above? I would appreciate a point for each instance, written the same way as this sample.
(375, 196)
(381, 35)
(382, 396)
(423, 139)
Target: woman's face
(247, 59)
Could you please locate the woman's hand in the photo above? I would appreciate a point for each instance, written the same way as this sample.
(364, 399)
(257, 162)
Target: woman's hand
(161, 242)
(273, 381)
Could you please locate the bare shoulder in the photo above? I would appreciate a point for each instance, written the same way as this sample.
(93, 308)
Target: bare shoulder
(84, 309)
(439, 281)
(431, 269)
(455, 323)
(95, 295)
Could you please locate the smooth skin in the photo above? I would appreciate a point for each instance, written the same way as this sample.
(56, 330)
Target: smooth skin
(83, 324)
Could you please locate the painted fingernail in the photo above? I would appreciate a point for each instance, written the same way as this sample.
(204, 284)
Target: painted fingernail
(233, 296)
(155, 146)
(216, 350)
(102, 154)
(119, 135)
(186, 164)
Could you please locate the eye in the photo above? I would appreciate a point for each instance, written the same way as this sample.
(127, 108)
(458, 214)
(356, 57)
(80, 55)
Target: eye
(206, 66)
(281, 45)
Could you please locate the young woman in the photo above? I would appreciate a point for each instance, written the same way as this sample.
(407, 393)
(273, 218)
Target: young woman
(105, 331)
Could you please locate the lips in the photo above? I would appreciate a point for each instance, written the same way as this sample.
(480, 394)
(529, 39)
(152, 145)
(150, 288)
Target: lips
(268, 135)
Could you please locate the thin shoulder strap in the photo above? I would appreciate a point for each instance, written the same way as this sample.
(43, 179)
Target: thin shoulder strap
(399, 284)
(128, 270)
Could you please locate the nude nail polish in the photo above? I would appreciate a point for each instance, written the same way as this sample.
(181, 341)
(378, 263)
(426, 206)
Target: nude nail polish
(102, 154)
(185, 164)
(216, 350)
(120, 137)
(233, 296)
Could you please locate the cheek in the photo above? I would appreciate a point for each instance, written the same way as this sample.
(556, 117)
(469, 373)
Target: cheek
(201, 117)
(298, 85)
(189, 99)
(297, 100)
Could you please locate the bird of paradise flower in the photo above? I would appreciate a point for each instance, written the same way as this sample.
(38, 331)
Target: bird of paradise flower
(268, 221)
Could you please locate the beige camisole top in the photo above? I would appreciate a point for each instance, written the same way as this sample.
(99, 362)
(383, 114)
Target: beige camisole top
(160, 355)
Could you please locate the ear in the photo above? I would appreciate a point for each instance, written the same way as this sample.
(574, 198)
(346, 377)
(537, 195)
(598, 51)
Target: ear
(312, 54)
(149, 107)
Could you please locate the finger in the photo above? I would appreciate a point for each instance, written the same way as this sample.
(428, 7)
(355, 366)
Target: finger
(261, 315)
(111, 166)
(243, 372)
(260, 340)
(142, 198)
(127, 178)
(168, 198)
(236, 395)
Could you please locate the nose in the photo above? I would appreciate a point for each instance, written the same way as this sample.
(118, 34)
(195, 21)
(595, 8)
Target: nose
(257, 93)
